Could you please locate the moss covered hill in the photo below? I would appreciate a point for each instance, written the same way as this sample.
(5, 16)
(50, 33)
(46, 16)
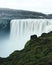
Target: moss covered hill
(37, 51)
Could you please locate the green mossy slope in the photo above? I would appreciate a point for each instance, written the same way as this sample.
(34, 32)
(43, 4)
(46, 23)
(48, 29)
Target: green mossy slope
(37, 51)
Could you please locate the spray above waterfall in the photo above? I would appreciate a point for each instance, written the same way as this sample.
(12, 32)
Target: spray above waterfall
(20, 32)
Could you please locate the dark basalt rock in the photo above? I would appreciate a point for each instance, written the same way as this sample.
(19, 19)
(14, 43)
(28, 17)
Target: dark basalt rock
(33, 37)
(4, 25)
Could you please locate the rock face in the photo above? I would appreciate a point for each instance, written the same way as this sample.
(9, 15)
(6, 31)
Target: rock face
(4, 25)
(33, 37)
(35, 52)
(4, 28)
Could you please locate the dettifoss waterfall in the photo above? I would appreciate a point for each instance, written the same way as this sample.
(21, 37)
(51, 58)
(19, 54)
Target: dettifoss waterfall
(20, 32)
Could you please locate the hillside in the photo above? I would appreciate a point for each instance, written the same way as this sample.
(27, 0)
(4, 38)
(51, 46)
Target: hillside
(6, 13)
(37, 51)
(19, 14)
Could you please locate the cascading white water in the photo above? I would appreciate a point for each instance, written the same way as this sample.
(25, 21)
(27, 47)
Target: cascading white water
(21, 30)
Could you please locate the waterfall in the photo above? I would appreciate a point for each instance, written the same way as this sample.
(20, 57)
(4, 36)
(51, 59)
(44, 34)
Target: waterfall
(22, 29)
(20, 32)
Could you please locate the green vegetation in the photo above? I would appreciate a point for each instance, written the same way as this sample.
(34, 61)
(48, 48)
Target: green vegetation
(37, 51)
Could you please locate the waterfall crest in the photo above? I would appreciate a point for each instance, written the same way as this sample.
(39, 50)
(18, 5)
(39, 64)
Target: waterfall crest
(22, 29)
